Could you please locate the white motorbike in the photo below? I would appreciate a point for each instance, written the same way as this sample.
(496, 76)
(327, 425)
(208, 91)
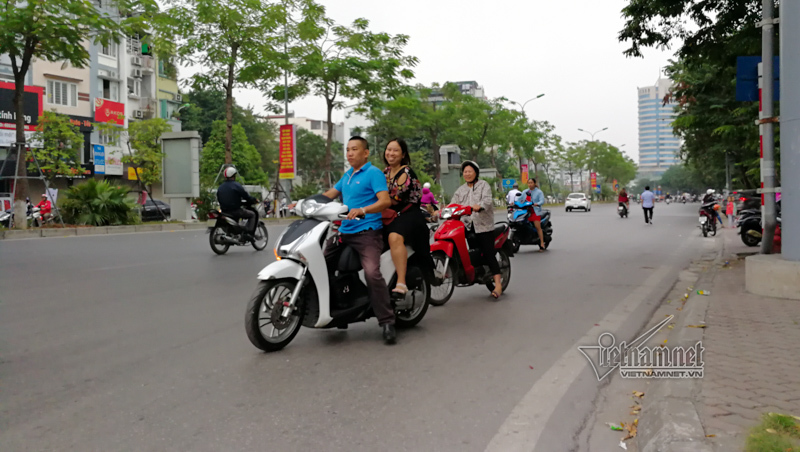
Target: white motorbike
(317, 282)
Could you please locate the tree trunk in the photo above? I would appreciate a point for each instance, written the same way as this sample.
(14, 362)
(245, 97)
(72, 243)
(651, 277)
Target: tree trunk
(329, 141)
(437, 159)
(21, 185)
(229, 107)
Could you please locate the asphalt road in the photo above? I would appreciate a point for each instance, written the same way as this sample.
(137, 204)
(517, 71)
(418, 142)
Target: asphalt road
(137, 342)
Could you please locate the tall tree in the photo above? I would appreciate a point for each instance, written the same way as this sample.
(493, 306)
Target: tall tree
(351, 62)
(144, 150)
(235, 42)
(49, 30)
(60, 144)
(245, 156)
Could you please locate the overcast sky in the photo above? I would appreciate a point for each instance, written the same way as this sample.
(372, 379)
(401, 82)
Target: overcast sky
(518, 49)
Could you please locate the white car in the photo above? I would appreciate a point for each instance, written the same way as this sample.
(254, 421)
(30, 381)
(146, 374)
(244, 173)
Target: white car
(578, 201)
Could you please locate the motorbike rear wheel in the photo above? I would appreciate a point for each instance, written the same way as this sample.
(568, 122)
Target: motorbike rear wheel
(705, 230)
(259, 317)
(441, 294)
(262, 237)
(217, 248)
(748, 239)
(420, 290)
(505, 270)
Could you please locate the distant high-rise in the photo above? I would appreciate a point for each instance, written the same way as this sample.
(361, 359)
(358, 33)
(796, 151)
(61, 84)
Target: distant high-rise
(658, 146)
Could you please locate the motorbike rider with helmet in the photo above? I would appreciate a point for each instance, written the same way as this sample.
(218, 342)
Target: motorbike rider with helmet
(231, 196)
(709, 198)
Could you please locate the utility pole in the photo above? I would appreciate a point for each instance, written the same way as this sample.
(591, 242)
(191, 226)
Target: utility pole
(790, 130)
(593, 156)
(766, 127)
(728, 186)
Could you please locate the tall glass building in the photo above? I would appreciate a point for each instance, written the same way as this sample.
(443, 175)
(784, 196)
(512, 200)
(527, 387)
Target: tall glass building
(658, 147)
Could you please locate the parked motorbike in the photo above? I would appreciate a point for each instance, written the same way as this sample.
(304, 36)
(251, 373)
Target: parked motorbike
(228, 231)
(5, 218)
(523, 232)
(708, 218)
(622, 210)
(456, 263)
(749, 223)
(318, 282)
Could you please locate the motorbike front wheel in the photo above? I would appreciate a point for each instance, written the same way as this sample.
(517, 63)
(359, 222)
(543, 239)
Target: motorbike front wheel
(505, 270)
(218, 248)
(441, 294)
(261, 238)
(262, 322)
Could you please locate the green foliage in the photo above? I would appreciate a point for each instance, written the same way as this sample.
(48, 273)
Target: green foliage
(682, 178)
(98, 204)
(335, 61)
(245, 157)
(776, 433)
(311, 155)
(144, 146)
(204, 203)
(61, 143)
(304, 191)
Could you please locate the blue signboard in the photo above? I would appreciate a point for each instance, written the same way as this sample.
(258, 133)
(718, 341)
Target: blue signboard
(508, 183)
(747, 78)
(99, 159)
(597, 189)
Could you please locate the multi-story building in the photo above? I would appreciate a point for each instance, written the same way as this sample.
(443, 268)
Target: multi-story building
(658, 146)
(169, 95)
(317, 127)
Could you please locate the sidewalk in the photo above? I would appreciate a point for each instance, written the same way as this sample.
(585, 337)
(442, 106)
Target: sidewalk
(751, 364)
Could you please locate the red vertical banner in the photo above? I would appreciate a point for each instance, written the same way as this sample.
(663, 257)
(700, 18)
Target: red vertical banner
(287, 154)
(593, 178)
(524, 174)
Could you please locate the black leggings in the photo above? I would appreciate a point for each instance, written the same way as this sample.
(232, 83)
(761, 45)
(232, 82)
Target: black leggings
(485, 243)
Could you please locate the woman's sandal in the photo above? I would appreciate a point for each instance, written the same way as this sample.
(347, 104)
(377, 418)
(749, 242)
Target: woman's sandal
(400, 290)
(496, 295)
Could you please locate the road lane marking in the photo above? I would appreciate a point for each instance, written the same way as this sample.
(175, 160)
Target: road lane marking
(523, 427)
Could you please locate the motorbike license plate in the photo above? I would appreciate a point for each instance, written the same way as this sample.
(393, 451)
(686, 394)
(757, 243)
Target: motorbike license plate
(703, 220)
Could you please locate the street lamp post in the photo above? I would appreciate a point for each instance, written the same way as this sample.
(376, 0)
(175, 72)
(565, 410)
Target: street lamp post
(592, 134)
(522, 108)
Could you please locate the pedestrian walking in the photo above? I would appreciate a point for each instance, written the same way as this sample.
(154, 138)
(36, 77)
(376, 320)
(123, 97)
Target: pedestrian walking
(729, 211)
(648, 202)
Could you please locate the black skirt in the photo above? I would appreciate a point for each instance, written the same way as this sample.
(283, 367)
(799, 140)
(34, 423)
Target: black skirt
(408, 224)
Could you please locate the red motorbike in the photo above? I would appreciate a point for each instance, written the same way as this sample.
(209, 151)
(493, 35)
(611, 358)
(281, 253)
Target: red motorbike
(456, 263)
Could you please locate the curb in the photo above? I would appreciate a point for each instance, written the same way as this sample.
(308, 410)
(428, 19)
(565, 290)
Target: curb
(16, 234)
(670, 421)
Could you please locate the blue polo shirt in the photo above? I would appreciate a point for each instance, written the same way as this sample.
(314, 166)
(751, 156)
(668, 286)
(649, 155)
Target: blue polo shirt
(360, 189)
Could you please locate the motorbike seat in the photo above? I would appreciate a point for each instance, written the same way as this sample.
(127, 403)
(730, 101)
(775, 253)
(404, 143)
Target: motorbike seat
(545, 214)
(349, 261)
(499, 228)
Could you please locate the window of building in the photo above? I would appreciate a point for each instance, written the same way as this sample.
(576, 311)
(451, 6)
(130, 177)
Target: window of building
(109, 137)
(109, 50)
(316, 125)
(109, 90)
(134, 87)
(62, 93)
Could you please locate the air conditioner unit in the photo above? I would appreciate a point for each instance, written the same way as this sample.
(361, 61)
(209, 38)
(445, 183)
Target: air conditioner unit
(137, 73)
(137, 61)
(178, 98)
(138, 114)
(112, 74)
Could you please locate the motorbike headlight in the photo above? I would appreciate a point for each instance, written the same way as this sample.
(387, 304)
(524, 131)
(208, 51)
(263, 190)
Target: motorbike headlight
(447, 212)
(307, 207)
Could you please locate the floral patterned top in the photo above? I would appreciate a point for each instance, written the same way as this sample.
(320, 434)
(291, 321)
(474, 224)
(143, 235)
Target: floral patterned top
(403, 191)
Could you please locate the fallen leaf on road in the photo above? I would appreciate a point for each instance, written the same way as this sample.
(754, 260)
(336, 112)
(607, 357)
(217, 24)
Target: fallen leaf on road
(711, 436)
(648, 372)
(771, 430)
(690, 288)
(638, 394)
(669, 301)
(631, 430)
(671, 326)
(531, 367)
(680, 309)
(596, 324)
(665, 341)
(695, 326)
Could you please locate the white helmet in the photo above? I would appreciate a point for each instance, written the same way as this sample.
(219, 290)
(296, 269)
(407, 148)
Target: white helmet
(710, 191)
(229, 172)
(426, 185)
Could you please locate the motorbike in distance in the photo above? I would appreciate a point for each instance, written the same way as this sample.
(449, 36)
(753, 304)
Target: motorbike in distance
(456, 263)
(708, 218)
(523, 232)
(318, 282)
(229, 231)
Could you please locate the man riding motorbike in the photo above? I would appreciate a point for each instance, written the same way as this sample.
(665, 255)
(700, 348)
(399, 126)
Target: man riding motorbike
(231, 196)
